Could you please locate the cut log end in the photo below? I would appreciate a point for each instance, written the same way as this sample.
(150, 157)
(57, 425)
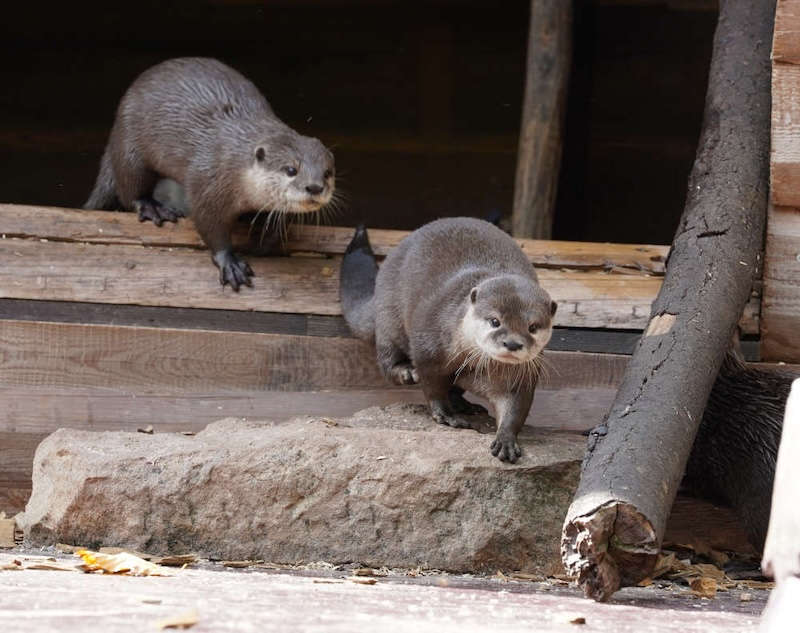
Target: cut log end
(611, 547)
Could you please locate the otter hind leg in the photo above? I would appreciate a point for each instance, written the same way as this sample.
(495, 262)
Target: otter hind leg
(461, 405)
(149, 208)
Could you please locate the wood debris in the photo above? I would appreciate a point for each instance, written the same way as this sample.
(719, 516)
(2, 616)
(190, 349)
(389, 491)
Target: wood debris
(148, 430)
(703, 586)
(240, 564)
(579, 620)
(182, 621)
(175, 560)
(8, 529)
(361, 580)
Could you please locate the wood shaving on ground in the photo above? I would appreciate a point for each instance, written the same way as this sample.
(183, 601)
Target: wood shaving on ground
(122, 563)
(579, 620)
(361, 580)
(175, 560)
(182, 621)
(240, 564)
(704, 586)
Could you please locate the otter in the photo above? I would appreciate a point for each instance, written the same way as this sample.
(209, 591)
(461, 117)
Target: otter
(456, 307)
(203, 125)
(734, 454)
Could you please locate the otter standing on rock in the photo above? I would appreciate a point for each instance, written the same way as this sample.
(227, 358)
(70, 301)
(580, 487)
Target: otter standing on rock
(456, 307)
(205, 126)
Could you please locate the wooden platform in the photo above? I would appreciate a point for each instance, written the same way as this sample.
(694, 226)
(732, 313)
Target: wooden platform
(109, 323)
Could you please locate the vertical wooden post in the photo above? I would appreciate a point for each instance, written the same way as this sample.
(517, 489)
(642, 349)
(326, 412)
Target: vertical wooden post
(540, 136)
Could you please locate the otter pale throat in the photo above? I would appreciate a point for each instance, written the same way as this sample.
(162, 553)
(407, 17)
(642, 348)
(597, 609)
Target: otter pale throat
(201, 124)
(457, 307)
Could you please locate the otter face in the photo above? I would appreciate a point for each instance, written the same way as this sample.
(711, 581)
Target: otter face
(509, 319)
(293, 174)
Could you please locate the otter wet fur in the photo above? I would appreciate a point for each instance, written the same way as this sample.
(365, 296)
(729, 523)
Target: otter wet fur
(203, 125)
(456, 307)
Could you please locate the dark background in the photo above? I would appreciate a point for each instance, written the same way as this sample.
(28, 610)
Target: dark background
(421, 102)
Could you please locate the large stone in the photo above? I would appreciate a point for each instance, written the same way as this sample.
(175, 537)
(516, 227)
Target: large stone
(384, 487)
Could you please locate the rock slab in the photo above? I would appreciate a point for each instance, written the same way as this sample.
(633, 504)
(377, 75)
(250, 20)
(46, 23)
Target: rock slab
(386, 487)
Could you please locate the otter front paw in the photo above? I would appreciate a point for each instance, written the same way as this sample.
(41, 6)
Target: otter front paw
(404, 374)
(506, 449)
(152, 209)
(441, 415)
(233, 270)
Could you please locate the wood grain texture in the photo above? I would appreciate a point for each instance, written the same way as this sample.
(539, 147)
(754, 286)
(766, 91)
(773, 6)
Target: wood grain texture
(785, 151)
(786, 40)
(179, 277)
(104, 227)
(167, 360)
(780, 336)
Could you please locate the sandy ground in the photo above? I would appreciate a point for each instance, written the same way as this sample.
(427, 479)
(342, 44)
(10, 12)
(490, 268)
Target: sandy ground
(244, 600)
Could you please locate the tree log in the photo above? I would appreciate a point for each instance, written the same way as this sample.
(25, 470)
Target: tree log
(540, 138)
(635, 461)
(782, 550)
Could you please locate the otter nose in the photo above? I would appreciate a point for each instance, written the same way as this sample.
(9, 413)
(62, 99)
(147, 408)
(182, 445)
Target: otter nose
(314, 190)
(512, 346)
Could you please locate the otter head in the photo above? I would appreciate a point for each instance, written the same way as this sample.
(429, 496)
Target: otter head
(509, 319)
(291, 173)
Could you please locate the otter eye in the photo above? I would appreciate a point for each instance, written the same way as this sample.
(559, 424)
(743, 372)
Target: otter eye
(290, 171)
(260, 154)
(328, 173)
(494, 322)
(532, 329)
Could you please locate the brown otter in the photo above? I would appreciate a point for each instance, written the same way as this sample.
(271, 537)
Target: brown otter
(205, 126)
(733, 457)
(456, 307)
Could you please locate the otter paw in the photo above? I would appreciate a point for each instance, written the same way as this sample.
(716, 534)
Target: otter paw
(441, 417)
(404, 374)
(461, 405)
(506, 449)
(152, 209)
(233, 270)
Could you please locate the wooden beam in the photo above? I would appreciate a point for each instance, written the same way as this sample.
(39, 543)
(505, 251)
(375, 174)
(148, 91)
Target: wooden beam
(104, 227)
(786, 40)
(168, 360)
(785, 152)
(540, 140)
(781, 294)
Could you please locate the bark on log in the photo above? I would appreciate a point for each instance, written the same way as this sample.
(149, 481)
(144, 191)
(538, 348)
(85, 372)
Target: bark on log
(634, 462)
(782, 550)
(540, 138)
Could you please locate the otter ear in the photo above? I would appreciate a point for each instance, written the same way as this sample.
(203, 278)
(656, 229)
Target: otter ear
(553, 306)
(473, 295)
(260, 154)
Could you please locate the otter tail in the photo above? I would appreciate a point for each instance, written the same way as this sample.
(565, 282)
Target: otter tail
(357, 285)
(104, 195)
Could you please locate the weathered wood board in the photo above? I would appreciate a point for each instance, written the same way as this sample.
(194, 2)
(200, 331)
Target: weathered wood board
(111, 258)
(780, 335)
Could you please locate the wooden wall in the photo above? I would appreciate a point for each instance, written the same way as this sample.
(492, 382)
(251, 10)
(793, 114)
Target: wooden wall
(780, 335)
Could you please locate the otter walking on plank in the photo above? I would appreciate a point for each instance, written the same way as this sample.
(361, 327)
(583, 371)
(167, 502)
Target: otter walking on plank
(202, 124)
(457, 307)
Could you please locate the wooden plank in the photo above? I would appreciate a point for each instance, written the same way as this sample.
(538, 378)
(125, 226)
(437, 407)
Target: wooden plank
(539, 156)
(781, 303)
(103, 227)
(178, 277)
(165, 360)
(786, 40)
(785, 151)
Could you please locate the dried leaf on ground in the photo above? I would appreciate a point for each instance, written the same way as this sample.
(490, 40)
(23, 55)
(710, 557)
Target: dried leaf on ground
(121, 563)
(182, 621)
(579, 620)
(704, 586)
